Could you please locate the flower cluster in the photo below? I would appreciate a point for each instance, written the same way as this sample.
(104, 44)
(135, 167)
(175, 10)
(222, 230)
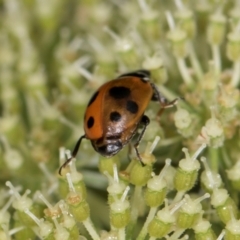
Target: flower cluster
(54, 54)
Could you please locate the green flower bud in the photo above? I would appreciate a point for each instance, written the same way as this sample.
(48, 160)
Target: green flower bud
(158, 70)
(78, 184)
(115, 191)
(149, 24)
(178, 40)
(106, 164)
(212, 133)
(210, 180)
(78, 207)
(157, 188)
(161, 224)
(154, 198)
(232, 231)
(120, 214)
(233, 175)
(186, 22)
(216, 29)
(184, 122)
(190, 211)
(139, 174)
(225, 206)
(228, 100)
(203, 230)
(187, 172)
(233, 46)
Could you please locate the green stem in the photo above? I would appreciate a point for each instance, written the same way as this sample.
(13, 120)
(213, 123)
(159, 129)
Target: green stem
(121, 234)
(213, 159)
(150, 216)
(217, 59)
(236, 74)
(89, 226)
(177, 234)
(184, 71)
(195, 63)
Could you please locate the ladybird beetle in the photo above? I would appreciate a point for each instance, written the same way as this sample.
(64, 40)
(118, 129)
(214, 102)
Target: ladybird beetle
(115, 112)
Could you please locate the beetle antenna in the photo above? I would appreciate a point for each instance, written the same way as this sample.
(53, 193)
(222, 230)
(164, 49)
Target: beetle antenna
(74, 153)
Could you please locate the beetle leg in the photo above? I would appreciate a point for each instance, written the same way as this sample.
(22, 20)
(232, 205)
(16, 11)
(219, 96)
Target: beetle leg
(74, 153)
(145, 121)
(157, 96)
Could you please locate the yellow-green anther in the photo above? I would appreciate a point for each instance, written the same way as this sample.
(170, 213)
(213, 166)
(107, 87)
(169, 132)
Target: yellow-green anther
(225, 206)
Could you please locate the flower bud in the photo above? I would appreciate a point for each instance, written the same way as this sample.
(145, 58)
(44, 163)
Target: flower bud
(116, 187)
(163, 221)
(233, 46)
(149, 24)
(190, 211)
(157, 188)
(107, 164)
(203, 230)
(120, 212)
(139, 174)
(187, 171)
(233, 175)
(210, 180)
(216, 29)
(178, 40)
(212, 133)
(157, 68)
(232, 230)
(78, 206)
(228, 100)
(125, 48)
(186, 21)
(225, 206)
(21, 203)
(184, 122)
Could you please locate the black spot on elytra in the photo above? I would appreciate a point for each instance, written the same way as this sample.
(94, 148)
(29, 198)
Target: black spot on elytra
(132, 106)
(119, 92)
(93, 98)
(90, 122)
(115, 116)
